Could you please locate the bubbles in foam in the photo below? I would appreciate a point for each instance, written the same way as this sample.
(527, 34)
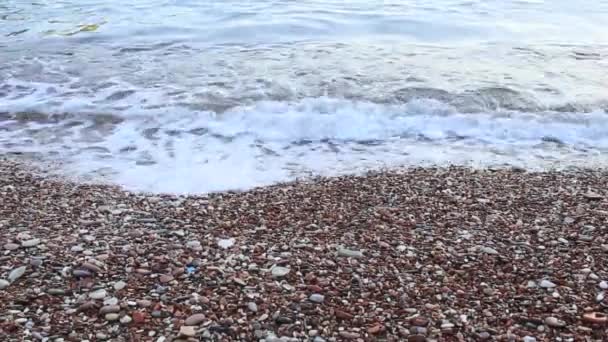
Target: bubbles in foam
(175, 149)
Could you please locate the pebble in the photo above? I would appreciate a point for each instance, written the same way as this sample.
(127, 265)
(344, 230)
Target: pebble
(349, 335)
(554, 322)
(16, 274)
(350, 253)
(547, 284)
(317, 298)
(126, 319)
(99, 294)
(77, 249)
(81, 273)
(165, 278)
(529, 339)
(11, 246)
(4, 284)
(279, 271)
(195, 319)
(603, 285)
(30, 243)
(187, 331)
(253, 307)
(119, 285)
(226, 243)
(109, 309)
(489, 250)
(91, 267)
(144, 303)
(194, 245)
(112, 316)
(56, 292)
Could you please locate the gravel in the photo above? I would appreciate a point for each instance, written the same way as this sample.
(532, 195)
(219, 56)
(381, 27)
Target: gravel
(416, 255)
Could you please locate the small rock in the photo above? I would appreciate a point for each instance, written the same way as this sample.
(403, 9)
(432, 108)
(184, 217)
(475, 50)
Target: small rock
(603, 285)
(343, 315)
(596, 318)
(489, 250)
(529, 339)
(420, 321)
(109, 309)
(194, 245)
(554, 322)
(77, 249)
(81, 273)
(278, 271)
(4, 284)
(11, 246)
(316, 298)
(16, 274)
(126, 319)
(547, 284)
(592, 195)
(112, 317)
(56, 292)
(144, 303)
(165, 278)
(119, 285)
(283, 320)
(350, 253)
(30, 243)
(253, 307)
(416, 338)
(99, 294)
(92, 267)
(349, 335)
(187, 331)
(195, 319)
(226, 243)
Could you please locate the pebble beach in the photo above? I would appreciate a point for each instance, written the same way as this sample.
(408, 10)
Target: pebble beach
(424, 254)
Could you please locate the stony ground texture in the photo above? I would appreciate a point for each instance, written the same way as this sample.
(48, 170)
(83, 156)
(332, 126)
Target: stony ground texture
(423, 255)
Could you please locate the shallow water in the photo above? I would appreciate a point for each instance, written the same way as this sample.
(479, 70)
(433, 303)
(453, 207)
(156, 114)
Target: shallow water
(188, 96)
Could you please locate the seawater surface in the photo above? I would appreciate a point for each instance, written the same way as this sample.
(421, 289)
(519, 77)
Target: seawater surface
(197, 96)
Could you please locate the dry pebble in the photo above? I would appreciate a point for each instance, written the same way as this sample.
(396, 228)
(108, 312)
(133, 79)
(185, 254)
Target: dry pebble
(422, 254)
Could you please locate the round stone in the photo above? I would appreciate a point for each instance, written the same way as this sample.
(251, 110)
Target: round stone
(195, 319)
(112, 317)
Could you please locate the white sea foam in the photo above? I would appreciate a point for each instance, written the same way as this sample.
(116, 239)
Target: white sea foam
(177, 150)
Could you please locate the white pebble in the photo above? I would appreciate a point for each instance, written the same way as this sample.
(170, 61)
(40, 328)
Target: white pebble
(99, 294)
(317, 298)
(547, 284)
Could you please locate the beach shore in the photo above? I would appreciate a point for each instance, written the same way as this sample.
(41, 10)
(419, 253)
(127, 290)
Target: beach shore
(424, 254)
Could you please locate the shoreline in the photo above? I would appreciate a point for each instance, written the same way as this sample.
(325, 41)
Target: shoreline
(421, 254)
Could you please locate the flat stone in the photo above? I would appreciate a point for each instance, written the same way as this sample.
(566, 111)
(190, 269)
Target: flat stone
(92, 267)
(195, 319)
(194, 245)
(187, 331)
(144, 303)
(226, 243)
(119, 285)
(77, 249)
(109, 309)
(165, 278)
(592, 195)
(112, 317)
(316, 298)
(547, 284)
(279, 271)
(30, 243)
(4, 284)
(56, 292)
(350, 253)
(16, 274)
(126, 319)
(253, 307)
(489, 250)
(81, 273)
(554, 322)
(349, 335)
(99, 294)
(11, 246)
(529, 339)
